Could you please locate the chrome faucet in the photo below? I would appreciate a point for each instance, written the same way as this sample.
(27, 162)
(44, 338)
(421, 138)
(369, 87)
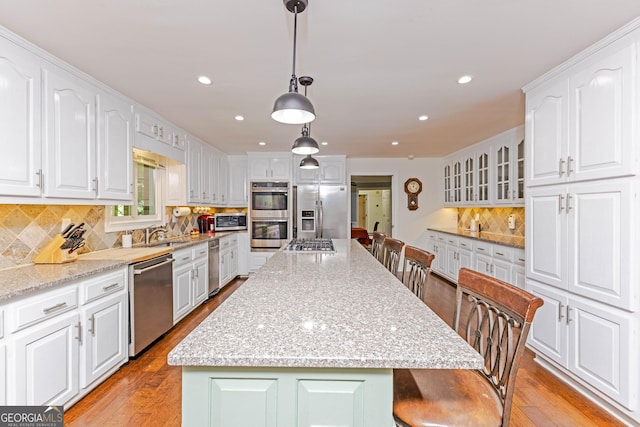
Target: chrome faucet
(150, 232)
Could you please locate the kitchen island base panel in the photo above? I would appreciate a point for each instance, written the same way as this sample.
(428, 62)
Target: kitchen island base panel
(286, 397)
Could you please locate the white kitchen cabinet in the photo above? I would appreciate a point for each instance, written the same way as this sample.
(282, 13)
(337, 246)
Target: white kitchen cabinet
(70, 136)
(272, 166)
(45, 362)
(176, 183)
(331, 170)
(223, 181)
(154, 127)
(115, 145)
(195, 173)
(20, 121)
(258, 259)
(475, 176)
(238, 181)
(581, 205)
(190, 279)
(580, 125)
(508, 167)
(200, 255)
(155, 134)
(447, 190)
(182, 288)
(438, 247)
(228, 259)
(243, 253)
(104, 316)
(592, 342)
(584, 247)
(3, 362)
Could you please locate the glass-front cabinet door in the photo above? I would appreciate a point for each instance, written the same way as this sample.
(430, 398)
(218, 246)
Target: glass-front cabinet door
(502, 171)
(446, 177)
(469, 195)
(482, 173)
(457, 181)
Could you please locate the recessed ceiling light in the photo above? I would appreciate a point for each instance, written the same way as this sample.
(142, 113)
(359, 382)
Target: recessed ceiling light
(395, 143)
(239, 118)
(324, 143)
(423, 118)
(204, 80)
(262, 143)
(465, 79)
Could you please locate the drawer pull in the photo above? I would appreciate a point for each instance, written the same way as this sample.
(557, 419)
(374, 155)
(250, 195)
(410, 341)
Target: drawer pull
(520, 259)
(480, 249)
(112, 286)
(499, 253)
(56, 307)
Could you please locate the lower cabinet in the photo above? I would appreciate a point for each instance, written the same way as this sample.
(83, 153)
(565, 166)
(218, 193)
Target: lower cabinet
(286, 397)
(46, 362)
(228, 259)
(60, 344)
(190, 279)
(258, 259)
(590, 340)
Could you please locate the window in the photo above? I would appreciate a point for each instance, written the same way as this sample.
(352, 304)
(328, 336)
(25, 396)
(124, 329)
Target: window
(147, 208)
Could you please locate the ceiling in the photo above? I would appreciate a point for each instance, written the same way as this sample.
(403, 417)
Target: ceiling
(377, 64)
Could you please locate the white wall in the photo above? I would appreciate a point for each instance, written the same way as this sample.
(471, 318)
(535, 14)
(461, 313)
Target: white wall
(409, 226)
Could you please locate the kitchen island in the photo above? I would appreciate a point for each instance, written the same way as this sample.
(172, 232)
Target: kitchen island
(312, 339)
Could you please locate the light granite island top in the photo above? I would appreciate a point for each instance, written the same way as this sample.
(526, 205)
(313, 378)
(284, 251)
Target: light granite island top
(307, 326)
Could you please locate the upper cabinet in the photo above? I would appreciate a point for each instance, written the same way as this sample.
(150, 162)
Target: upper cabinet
(70, 136)
(488, 173)
(155, 134)
(115, 143)
(20, 106)
(581, 126)
(332, 170)
(269, 166)
(238, 181)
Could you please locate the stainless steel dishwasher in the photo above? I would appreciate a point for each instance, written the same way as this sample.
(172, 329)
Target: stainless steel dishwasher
(214, 267)
(150, 301)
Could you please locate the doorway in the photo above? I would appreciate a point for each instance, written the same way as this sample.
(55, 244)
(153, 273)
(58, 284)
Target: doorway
(371, 204)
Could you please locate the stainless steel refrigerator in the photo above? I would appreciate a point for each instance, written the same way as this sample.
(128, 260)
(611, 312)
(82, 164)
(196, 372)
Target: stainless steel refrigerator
(321, 211)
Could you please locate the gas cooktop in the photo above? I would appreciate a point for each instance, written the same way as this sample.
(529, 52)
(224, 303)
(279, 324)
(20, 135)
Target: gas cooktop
(310, 245)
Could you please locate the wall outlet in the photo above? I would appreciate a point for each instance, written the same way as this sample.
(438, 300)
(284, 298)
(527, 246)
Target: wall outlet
(512, 222)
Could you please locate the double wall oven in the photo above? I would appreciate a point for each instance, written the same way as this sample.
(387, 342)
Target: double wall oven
(269, 212)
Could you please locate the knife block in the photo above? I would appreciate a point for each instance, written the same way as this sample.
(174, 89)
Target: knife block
(52, 254)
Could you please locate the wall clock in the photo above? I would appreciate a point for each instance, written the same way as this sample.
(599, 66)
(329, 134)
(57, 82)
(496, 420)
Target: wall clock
(412, 187)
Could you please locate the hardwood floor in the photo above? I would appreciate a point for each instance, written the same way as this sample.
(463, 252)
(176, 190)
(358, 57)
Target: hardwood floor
(147, 392)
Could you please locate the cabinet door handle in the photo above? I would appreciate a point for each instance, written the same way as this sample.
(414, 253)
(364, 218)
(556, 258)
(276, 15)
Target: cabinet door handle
(568, 314)
(560, 315)
(154, 129)
(569, 197)
(161, 132)
(569, 170)
(91, 325)
(56, 307)
(561, 168)
(95, 185)
(40, 182)
(79, 337)
(560, 203)
(112, 286)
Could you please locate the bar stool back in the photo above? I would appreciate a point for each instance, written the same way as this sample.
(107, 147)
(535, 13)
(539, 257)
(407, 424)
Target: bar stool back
(376, 245)
(417, 265)
(391, 251)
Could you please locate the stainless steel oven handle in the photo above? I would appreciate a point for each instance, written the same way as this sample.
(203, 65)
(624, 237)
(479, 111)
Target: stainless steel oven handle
(269, 219)
(153, 267)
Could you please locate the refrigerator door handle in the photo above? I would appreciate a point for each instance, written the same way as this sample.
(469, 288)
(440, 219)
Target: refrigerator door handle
(321, 218)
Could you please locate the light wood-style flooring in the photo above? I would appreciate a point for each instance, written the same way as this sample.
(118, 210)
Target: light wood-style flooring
(147, 392)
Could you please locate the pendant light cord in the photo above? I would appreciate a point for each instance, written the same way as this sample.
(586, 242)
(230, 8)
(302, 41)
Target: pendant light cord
(295, 36)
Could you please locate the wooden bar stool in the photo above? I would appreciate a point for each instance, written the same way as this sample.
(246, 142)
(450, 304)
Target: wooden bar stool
(376, 245)
(391, 251)
(415, 273)
(494, 317)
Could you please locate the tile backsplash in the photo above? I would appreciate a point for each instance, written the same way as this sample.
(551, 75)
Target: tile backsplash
(26, 229)
(493, 220)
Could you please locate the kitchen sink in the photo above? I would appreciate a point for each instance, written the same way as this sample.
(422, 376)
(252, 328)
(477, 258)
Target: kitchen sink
(169, 242)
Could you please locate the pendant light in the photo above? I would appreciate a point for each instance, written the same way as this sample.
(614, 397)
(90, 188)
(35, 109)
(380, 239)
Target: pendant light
(292, 107)
(305, 145)
(309, 163)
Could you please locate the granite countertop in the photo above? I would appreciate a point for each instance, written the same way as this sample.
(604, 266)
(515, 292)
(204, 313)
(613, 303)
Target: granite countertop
(340, 310)
(501, 239)
(19, 281)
